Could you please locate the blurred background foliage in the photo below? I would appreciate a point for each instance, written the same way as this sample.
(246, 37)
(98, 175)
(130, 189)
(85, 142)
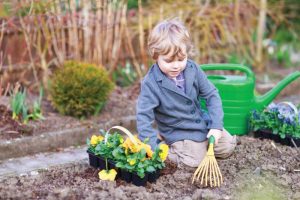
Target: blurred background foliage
(37, 36)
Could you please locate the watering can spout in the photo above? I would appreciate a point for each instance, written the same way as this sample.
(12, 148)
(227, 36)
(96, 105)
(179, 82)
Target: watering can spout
(264, 100)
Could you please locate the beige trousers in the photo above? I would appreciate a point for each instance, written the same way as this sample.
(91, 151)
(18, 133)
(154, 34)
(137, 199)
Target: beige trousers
(192, 153)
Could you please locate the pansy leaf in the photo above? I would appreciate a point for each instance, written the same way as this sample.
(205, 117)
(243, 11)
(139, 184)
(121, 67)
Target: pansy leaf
(150, 169)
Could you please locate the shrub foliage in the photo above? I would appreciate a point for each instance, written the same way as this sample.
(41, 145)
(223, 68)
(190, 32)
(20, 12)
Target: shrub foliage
(80, 89)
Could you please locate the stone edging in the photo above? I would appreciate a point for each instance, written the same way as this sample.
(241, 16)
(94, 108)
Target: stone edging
(59, 139)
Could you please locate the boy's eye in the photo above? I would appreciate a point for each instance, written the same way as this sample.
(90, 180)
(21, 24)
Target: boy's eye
(172, 60)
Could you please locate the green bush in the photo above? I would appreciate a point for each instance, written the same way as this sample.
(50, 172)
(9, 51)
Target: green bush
(80, 89)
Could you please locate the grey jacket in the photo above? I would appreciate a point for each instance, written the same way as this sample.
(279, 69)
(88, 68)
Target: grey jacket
(178, 115)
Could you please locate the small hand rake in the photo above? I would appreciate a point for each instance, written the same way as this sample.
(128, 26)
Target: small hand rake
(209, 166)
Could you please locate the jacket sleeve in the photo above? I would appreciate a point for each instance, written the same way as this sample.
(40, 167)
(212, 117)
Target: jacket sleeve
(147, 102)
(210, 94)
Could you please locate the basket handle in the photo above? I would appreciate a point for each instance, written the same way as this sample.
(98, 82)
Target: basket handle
(124, 130)
(292, 106)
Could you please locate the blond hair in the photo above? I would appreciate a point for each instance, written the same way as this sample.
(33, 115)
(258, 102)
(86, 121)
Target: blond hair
(169, 36)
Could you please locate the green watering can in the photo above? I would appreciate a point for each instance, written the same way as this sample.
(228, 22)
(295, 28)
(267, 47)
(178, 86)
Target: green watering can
(239, 97)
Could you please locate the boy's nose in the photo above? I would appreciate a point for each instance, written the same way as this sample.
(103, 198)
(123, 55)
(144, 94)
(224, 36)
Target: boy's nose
(176, 65)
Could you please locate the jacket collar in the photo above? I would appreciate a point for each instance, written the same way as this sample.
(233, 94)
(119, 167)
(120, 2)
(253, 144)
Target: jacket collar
(189, 76)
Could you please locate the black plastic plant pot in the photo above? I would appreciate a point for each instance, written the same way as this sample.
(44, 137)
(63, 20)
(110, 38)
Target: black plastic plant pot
(126, 175)
(111, 164)
(138, 181)
(257, 134)
(276, 138)
(153, 176)
(296, 141)
(93, 160)
(286, 141)
(263, 134)
(102, 164)
(266, 134)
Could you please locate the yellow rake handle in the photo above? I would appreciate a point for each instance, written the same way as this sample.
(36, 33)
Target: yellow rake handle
(211, 140)
(208, 168)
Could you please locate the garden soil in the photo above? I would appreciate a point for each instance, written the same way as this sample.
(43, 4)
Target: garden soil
(256, 170)
(120, 103)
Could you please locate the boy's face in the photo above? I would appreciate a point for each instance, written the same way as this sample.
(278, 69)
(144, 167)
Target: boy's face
(170, 65)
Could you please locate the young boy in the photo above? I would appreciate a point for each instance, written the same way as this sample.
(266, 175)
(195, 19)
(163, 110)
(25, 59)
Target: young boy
(170, 94)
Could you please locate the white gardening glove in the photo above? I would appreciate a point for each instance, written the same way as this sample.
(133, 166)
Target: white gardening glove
(216, 133)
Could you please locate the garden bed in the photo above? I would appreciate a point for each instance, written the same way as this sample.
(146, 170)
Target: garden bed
(121, 103)
(58, 131)
(256, 170)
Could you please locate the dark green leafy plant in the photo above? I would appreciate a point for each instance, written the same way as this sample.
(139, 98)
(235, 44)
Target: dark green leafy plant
(104, 145)
(21, 110)
(132, 157)
(276, 119)
(80, 89)
(134, 162)
(18, 104)
(140, 161)
(36, 112)
(124, 76)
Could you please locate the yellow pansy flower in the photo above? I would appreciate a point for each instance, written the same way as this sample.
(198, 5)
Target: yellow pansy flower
(132, 162)
(100, 138)
(148, 150)
(94, 140)
(164, 151)
(107, 175)
(128, 144)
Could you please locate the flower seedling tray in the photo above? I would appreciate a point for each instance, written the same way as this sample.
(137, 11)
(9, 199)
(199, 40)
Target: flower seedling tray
(130, 177)
(138, 181)
(126, 176)
(152, 177)
(93, 160)
(288, 140)
(96, 161)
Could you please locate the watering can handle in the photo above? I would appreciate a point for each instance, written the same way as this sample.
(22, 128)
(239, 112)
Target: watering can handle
(246, 70)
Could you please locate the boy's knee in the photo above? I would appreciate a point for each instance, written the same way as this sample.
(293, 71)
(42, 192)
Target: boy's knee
(226, 148)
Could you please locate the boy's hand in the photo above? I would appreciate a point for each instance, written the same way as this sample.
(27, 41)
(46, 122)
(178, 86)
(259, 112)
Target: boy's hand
(159, 137)
(216, 133)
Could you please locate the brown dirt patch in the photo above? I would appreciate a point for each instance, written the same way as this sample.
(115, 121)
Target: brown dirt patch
(121, 103)
(10, 128)
(256, 170)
